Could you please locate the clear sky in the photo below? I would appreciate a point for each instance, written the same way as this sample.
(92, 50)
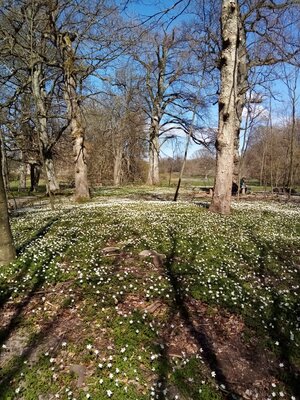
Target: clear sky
(150, 8)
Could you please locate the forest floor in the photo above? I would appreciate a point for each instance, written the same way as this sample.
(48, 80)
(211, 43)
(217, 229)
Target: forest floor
(142, 298)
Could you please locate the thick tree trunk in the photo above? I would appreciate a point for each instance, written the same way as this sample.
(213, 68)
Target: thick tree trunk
(118, 167)
(82, 191)
(35, 172)
(53, 184)
(233, 65)
(7, 249)
(46, 153)
(81, 177)
(153, 168)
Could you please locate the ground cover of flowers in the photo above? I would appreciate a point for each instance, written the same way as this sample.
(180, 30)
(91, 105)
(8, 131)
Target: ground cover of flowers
(152, 300)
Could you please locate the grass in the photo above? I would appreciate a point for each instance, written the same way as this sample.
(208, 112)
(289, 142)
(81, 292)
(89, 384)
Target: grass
(211, 313)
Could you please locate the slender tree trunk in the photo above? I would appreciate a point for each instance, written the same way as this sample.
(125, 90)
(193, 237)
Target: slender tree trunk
(236, 161)
(170, 173)
(154, 148)
(4, 167)
(262, 165)
(22, 177)
(7, 249)
(292, 146)
(188, 139)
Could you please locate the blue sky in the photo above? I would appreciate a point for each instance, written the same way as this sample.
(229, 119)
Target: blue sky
(280, 102)
(148, 8)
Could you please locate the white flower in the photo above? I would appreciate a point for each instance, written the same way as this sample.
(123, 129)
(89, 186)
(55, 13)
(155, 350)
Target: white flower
(213, 374)
(89, 346)
(109, 393)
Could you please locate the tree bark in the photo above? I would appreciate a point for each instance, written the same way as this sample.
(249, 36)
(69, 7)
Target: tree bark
(22, 176)
(76, 121)
(35, 171)
(46, 153)
(233, 66)
(118, 167)
(154, 148)
(7, 249)
(4, 167)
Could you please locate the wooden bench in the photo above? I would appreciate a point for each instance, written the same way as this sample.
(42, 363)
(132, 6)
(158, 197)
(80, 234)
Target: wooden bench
(197, 190)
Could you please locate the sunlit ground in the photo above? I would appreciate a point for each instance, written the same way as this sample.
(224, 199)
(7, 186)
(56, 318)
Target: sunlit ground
(208, 312)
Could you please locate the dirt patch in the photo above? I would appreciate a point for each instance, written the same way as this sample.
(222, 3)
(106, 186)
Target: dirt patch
(130, 303)
(178, 340)
(248, 370)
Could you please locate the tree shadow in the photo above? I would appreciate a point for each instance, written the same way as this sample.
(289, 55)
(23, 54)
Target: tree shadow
(198, 333)
(5, 292)
(15, 319)
(39, 234)
(29, 349)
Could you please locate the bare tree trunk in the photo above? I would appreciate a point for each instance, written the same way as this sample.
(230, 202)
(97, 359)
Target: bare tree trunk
(35, 171)
(22, 176)
(262, 166)
(46, 153)
(117, 167)
(7, 249)
(229, 122)
(292, 137)
(4, 167)
(188, 139)
(236, 161)
(81, 180)
(76, 121)
(154, 148)
(53, 184)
